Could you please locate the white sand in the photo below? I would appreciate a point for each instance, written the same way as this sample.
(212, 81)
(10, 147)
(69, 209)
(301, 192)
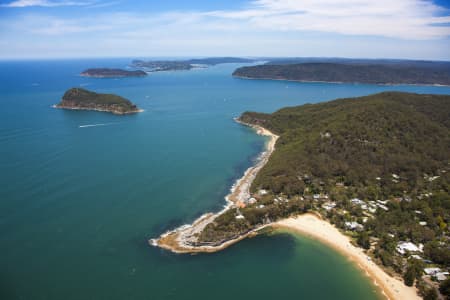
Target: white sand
(311, 225)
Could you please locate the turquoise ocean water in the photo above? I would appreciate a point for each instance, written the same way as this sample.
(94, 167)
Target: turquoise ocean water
(78, 203)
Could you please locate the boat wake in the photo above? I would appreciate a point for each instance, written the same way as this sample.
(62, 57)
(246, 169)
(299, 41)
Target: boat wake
(95, 125)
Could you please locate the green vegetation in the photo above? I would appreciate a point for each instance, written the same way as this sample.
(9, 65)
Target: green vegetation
(178, 65)
(413, 271)
(444, 288)
(111, 73)
(227, 226)
(380, 145)
(164, 65)
(78, 98)
(378, 167)
(350, 72)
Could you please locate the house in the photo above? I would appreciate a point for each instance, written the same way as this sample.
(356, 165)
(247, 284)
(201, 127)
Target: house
(354, 226)
(382, 202)
(441, 276)
(403, 247)
(262, 192)
(432, 271)
(382, 207)
(240, 217)
(423, 223)
(356, 201)
(251, 201)
(329, 205)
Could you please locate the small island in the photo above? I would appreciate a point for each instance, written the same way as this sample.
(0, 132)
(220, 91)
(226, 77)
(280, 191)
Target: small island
(354, 72)
(82, 99)
(111, 73)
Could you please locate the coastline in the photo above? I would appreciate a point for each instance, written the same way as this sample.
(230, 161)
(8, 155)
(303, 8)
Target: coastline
(311, 225)
(342, 82)
(98, 109)
(181, 239)
(308, 224)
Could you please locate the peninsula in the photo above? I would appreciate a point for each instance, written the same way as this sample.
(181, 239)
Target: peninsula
(179, 65)
(376, 167)
(370, 73)
(82, 99)
(112, 73)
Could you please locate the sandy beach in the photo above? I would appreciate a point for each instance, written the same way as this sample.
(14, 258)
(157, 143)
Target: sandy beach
(183, 238)
(311, 225)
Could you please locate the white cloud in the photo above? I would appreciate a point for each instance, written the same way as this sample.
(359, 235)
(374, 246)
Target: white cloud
(405, 19)
(352, 28)
(44, 3)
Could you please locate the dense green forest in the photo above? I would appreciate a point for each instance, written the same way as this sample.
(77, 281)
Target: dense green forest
(401, 73)
(78, 98)
(359, 142)
(381, 162)
(107, 72)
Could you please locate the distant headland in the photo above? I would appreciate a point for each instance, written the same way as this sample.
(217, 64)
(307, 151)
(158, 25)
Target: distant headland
(180, 65)
(111, 73)
(82, 99)
(371, 72)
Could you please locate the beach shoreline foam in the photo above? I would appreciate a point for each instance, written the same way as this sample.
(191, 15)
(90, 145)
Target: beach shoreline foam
(313, 226)
(182, 239)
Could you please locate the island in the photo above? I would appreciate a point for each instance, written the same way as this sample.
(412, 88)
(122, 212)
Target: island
(111, 73)
(180, 65)
(356, 72)
(161, 65)
(82, 99)
(370, 176)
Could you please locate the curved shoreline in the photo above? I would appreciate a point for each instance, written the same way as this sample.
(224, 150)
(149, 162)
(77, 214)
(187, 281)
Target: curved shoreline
(308, 224)
(182, 239)
(311, 225)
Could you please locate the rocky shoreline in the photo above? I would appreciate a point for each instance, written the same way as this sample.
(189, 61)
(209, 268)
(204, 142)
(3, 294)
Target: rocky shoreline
(184, 239)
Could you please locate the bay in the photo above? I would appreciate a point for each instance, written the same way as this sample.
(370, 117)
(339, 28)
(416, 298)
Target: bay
(78, 203)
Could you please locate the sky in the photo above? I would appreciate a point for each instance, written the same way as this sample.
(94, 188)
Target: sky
(408, 29)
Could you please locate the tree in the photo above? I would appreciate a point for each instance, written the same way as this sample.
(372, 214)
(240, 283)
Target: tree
(364, 240)
(413, 271)
(444, 288)
(409, 276)
(430, 294)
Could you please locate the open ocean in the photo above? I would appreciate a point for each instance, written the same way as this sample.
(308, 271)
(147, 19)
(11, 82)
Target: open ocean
(82, 192)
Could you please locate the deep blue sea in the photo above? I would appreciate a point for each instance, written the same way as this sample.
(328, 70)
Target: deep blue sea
(78, 203)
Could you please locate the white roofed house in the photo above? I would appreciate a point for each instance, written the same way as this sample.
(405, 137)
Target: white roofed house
(262, 192)
(404, 247)
(329, 205)
(354, 226)
(437, 273)
(251, 201)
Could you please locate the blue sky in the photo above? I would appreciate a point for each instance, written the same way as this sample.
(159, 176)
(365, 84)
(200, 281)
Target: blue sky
(417, 29)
